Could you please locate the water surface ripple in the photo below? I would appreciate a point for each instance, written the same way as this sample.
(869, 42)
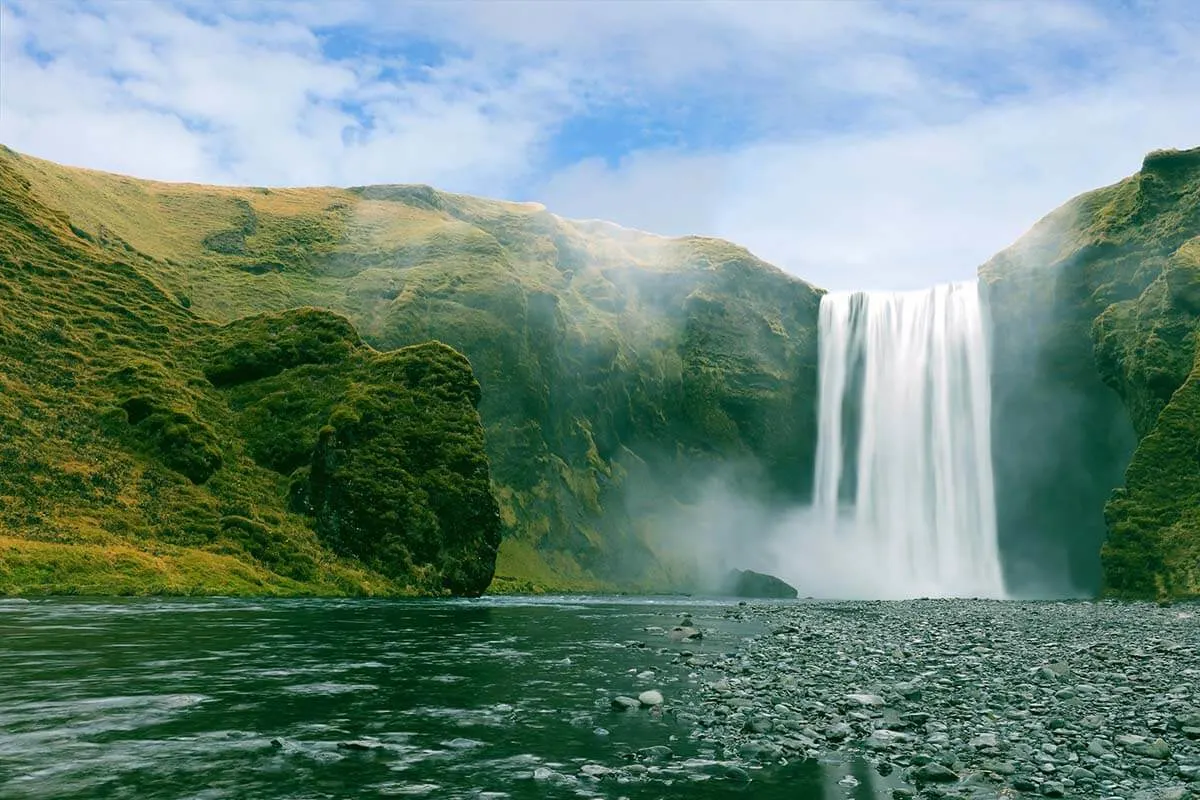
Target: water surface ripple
(222, 698)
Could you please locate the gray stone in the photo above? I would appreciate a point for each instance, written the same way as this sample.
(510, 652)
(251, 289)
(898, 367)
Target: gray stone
(1157, 749)
(935, 772)
(656, 753)
(838, 732)
(684, 633)
(983, 740)
(884, 739)
(759, 725)
(623, 703)
(737, 774)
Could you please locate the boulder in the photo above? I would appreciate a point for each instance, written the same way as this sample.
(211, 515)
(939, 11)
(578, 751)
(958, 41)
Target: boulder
(748, 583)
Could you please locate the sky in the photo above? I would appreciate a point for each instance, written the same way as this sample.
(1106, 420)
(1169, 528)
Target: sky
(856, 144)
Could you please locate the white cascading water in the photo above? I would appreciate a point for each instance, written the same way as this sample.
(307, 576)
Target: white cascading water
(907, 472)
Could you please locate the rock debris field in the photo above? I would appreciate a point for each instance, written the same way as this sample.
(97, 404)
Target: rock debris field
(962, 698)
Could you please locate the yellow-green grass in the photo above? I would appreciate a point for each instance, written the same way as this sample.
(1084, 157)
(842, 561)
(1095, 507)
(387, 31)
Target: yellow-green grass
(31, 568)
(114, 440)
(595, 346)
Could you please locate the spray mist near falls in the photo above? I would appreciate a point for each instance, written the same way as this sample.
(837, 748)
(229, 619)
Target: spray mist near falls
(903, 471)
(903, 503)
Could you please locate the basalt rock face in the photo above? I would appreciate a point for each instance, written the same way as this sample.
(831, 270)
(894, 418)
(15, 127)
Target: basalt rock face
(1095, 319)
(619, 369)
(147, 450)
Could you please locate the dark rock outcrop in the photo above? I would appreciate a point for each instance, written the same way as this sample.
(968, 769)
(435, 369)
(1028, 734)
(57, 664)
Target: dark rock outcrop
(748, 583)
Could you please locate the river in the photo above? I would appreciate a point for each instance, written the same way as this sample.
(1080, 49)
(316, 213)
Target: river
(492, 698)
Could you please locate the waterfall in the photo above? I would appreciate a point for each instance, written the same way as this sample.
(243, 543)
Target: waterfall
(904, 461)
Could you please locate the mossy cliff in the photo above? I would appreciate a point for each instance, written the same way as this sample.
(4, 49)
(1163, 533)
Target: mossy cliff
(1095, 315)
(146, 450)
(617, 368)
(178, 415)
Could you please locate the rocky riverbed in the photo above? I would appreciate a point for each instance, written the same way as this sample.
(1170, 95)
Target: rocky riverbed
(966, 699)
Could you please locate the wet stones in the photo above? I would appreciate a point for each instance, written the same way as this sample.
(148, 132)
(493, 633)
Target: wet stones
(965, 698)
(1053, 789)
(984, 741)
(935, 773)
(1139, 745)
(657, 753)
(684, 633)
(623, 703)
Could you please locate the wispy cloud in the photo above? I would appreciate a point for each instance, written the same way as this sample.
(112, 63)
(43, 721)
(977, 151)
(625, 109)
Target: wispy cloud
(857, 144)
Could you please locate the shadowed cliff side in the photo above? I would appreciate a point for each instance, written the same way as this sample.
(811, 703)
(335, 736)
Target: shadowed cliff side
(141, 452)
(1095, 315)
(618, 369)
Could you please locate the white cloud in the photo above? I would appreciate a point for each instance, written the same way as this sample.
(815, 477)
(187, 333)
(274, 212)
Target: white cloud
(145, 89)
(880, 144)
(900, 209)
(936, 188)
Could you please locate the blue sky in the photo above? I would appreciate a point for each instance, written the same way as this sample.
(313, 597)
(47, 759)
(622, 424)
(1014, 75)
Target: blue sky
(856, 144)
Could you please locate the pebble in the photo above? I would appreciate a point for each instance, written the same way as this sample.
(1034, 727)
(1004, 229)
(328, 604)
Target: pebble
(959, 697)
(650, 697)
(865, 699)
(1053, 789)
(933, 771)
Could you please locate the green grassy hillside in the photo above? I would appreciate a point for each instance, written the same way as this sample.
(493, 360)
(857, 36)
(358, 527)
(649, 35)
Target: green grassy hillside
(1097, 312)
(618, 368)
(142, 448)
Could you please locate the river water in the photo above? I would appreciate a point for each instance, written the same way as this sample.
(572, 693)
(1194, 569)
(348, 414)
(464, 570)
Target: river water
(492, 698)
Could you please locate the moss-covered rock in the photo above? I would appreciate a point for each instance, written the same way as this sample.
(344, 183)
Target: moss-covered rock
(399, 479)
(1095, 306)
(385, 451)
(126, 468)
(1153, 546)
(266, 344)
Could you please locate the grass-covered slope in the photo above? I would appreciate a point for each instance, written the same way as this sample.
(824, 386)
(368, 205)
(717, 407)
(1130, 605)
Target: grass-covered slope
(617, 368)
(1100, 304)
(142, 448)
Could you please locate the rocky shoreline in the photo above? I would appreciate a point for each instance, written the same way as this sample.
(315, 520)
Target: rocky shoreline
(963, 698)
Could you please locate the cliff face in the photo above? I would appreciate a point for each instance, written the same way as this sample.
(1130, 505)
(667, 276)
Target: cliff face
(618, 369)
(176, 409)
(148, 451)
(1095, 314)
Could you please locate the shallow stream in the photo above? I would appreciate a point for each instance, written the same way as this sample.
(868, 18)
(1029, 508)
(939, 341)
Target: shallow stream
(493, 698)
